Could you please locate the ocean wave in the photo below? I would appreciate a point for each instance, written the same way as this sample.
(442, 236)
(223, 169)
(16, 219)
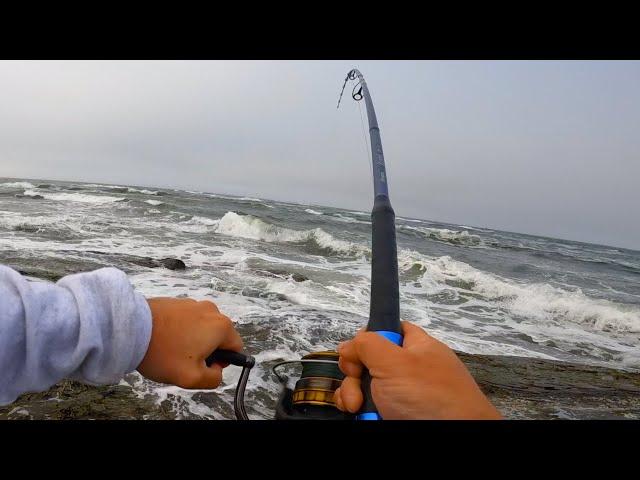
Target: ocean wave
(454, 237)
(409, 220)
(540, 302)
(195, 224)
(74, 197)
(343, 218)
(248, 226)
(59, 225)
(17, 185)
(208, 222)
(312, 212)
(155, 203)
(144, 191)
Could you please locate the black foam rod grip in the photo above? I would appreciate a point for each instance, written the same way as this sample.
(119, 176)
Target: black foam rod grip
(384, 313)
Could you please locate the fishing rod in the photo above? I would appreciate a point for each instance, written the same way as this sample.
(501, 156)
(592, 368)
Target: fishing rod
(312, 395)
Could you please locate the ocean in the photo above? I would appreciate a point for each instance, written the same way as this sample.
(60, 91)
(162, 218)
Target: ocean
(295, 278)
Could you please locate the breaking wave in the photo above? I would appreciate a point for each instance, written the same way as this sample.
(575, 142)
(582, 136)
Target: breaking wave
(540, 302)
(247, 226)
(454, 237)
(17, 185)
(74, 197)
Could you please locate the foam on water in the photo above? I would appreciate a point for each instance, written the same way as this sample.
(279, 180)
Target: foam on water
(146, 192)
(313, 212)
(538, 301)
(74, 197)
(248, 226)
(17, 185)
(445, 235)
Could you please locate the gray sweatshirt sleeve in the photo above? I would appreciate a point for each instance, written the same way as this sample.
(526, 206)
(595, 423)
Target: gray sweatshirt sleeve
(92, 327)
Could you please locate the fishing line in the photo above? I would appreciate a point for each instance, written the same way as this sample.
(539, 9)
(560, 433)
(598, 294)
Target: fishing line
(367, 149)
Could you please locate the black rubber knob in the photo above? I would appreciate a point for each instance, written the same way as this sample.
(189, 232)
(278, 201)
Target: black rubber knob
(232, 358)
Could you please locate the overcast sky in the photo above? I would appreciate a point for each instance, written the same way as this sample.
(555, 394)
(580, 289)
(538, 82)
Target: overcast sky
(550, 148)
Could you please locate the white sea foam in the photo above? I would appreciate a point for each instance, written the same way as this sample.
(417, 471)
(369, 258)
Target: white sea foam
(146, 192)
(343, 218)
(154, 202)
(539, 302)
(456, 237)
(209, 222)
(17, 185)
(313, 212)
(247, 226)
(101, 185)
(74, 197)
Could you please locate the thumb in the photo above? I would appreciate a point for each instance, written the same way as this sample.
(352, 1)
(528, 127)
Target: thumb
(372, 350)
(413, 335)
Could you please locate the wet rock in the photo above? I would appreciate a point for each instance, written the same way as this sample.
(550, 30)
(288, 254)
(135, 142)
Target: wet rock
(521, 388)
(527, 388)
(74, 400)
(295, 276)
(172, 263)
(30, 197)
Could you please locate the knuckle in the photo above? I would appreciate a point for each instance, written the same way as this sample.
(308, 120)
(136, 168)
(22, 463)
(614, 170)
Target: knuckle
(225, 322)
(209, 305)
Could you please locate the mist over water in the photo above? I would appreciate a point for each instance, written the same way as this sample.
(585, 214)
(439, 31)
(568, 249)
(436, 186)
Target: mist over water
(295, 278)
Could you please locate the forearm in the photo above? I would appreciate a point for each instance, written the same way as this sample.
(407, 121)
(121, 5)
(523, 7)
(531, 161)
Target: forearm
(91, 327)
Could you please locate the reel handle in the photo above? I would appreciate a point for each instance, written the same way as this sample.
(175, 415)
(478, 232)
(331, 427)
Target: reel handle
(232, 358)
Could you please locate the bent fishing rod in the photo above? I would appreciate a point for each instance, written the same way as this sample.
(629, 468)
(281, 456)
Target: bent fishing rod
(312, 396)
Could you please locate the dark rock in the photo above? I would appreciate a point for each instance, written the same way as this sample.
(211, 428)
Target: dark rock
(528, 388)
(32, 197)
(172, 263)
(297, 277)
(74, 400)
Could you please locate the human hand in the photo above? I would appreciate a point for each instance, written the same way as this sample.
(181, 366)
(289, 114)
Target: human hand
(423, 379)
(185, 332)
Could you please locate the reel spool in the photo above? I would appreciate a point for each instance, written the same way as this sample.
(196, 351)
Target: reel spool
(312, 397)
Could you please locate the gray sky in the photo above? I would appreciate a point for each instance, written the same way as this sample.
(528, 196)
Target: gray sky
(550, 148)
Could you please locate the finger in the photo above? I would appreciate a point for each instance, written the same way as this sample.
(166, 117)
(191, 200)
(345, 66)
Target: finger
(414, 335)
(370, 349)
(231, 339)
(351, 394)
(350, 369)
(338, 401)
(222, 335)
(211, 377)
(209, 305)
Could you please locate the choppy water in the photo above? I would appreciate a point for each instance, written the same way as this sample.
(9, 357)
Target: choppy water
(295, 278)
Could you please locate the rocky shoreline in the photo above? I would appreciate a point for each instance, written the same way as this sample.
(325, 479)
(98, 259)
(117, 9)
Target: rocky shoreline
(521, 388)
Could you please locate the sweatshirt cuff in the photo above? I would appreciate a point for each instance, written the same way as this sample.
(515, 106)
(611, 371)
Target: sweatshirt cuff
(144, 327)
